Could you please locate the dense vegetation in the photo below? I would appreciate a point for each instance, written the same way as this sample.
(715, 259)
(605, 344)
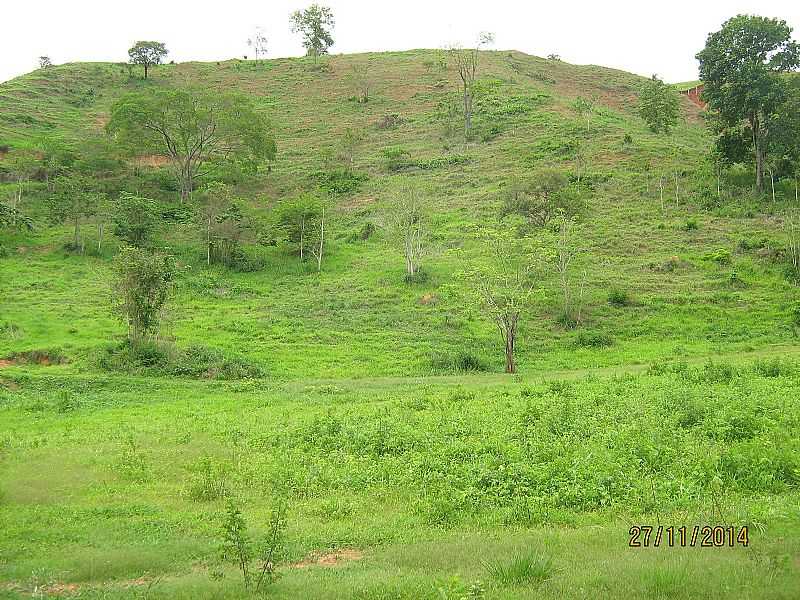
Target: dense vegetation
(254, 316)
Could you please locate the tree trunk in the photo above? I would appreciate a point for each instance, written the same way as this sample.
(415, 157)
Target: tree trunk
(467, 111)
(208, 241)
(676, 189)
(772, 183)
(321, 241)
(77, 234)
(302, 236)
(510, 338)
(759, 151)
(99, 237)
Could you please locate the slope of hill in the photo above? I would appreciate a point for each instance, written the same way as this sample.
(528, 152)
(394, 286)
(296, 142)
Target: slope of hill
(659, 407)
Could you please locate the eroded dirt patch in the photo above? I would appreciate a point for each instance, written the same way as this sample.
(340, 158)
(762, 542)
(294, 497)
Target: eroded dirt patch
(331, 558)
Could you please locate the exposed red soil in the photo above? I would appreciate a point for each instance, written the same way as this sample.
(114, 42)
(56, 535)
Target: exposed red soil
(329, 559)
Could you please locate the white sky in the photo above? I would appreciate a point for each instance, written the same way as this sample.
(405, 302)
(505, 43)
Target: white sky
(641, 36)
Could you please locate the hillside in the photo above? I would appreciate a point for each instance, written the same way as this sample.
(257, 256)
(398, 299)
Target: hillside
(659, 406)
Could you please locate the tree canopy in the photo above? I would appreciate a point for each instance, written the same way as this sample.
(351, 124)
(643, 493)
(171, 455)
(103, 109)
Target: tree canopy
(741, 67)
(147, 54)
(658, 105)
(192, 128)
(314, 24)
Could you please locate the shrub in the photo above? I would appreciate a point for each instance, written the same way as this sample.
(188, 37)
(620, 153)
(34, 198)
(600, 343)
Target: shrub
(593, 339)
(690, 225)
(396, 157)
(340, 182)
(390, 121)
(619, 297)
(720, 256)
(463, 361)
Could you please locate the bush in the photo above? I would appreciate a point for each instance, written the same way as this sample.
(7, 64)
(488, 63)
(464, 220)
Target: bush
(690, 225)
(390, 121)
(619, 297)
(593, 339)
(462, 361)
(160, 359)
(340, 182)
(720, 256)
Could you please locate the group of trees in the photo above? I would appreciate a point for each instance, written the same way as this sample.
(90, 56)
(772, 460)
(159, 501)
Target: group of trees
(752, 101)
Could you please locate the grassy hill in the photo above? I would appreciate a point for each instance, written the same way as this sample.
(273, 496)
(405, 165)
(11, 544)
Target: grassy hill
(673, 402)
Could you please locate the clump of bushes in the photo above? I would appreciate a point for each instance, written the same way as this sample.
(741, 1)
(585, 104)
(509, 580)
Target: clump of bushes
(390, 121)
(593, 339)
(340, 182)
(462, 361)
(690, 225)
(159, 358)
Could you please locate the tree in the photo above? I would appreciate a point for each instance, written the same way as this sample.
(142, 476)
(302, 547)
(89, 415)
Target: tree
(258, 42)
(503, 281)
(584, 107)
(222, 223)
(540, 198)
(407, 223)
(74, 201)
(22, 166)
(55, 157)
(192, 128)
(10, 217)
(465, 61)
(314, 24)
(45, 62)
(348, 145)
(361, 81)
(147, 54)
(741, 67)
(135, 219)
(566, 252)
(141, 289)
(297, 222)
(658, 105)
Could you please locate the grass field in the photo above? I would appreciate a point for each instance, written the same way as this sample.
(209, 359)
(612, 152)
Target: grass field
(675, 402)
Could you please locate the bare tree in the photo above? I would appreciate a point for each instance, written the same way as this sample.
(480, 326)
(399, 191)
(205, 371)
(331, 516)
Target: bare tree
(258, 42)
(505, 286)
(465, 61)
(406, 222)
(566, 252)
(318, 243)
(361, 81)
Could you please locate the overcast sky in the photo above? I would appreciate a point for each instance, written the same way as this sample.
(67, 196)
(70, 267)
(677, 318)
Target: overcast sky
(638, 36)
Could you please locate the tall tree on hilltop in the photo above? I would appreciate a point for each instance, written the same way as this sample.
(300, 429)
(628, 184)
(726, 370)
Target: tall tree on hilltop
(192, 128)
(147, 54)
(741, 67)
(315, 24)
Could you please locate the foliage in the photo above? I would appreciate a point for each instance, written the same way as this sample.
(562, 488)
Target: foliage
(136, 219)
(141, 289)
(658, 105)
(741, 67)
(314, 24)
(542, 197)
(192, 127)
(147, 54)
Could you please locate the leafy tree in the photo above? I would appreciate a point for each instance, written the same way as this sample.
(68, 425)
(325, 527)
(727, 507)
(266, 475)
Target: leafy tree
(192, 128)
(74, 201)
(141, 289)
(147, 54)
(658, 105)
(741, 67)
(135, 219)
(223, 224)
(566, 253)
(56, 157)
(297, 222)
(258, 42)
(45, 62)
(407, 223)
(465, 61)
(314, 24)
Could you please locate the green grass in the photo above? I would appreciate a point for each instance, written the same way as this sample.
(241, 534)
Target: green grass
(674, 402)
